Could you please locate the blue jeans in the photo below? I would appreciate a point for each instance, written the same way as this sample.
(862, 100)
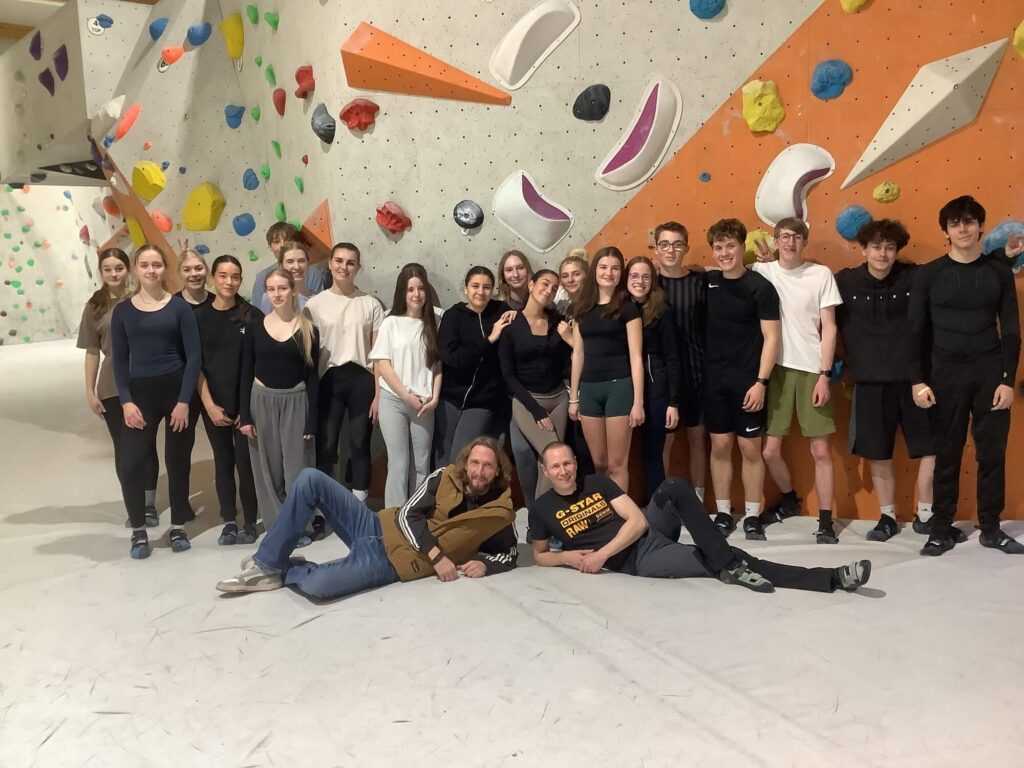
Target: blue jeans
(366, 565)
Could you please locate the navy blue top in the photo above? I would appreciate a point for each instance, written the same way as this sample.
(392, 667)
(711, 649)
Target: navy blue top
(154, 343)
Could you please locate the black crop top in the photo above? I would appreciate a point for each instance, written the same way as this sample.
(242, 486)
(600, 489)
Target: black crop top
(278, 365)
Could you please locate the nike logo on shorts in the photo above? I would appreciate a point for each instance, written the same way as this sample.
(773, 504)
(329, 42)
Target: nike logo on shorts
(751, 429)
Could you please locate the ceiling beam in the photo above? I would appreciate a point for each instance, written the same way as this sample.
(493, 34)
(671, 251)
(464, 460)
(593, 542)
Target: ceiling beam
(13, 31)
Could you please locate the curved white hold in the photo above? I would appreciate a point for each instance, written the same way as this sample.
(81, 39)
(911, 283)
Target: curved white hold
(782, 192)
(531, 40)
(643, 146)
(106, 116)
(519, 205)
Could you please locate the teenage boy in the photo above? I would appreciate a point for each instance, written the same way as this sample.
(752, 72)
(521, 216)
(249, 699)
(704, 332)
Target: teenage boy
(965, 304)
(282, 232)
(882, 355)
(743, 341)
(686, 291)
(799, 382)
(600, 527)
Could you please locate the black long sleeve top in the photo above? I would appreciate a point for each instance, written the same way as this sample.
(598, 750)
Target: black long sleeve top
(663, 368)
(221, 335)
(470, 372)
(532, 363)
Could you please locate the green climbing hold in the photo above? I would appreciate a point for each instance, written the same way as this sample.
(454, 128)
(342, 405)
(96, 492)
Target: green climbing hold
(279, 213)
(26, 228)
(21, 209)
(296, 224)
(259, 61)
(255, 113)
(5, 212)
(18, 269)
(300, 184)
(16, 248)
(50, 330)
(40, 281)
(7, 235)
(265, 172)
(277, 149)
(24, 318)
(37, 244)
(26, 339)
(270, 75)
(31, 262)
(16, 283)
(253, 13)
(253, 256)
(272, 19)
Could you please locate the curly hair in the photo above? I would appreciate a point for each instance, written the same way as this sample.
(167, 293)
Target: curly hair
(502, 479)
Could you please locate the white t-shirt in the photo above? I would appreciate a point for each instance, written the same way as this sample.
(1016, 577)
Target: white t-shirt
(346, 324)
(400, 341)
(803, 293)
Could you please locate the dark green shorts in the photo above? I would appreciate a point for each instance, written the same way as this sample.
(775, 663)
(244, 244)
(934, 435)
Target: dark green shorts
(606, 399)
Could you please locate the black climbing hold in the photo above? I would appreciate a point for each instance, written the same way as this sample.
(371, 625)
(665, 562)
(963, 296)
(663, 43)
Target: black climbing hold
(468, 215)
(592, 104)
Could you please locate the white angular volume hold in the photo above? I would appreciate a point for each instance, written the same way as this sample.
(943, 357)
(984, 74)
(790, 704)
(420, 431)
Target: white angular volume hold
(520, 206)
(531, 40)
(943, 96)
(782, 193)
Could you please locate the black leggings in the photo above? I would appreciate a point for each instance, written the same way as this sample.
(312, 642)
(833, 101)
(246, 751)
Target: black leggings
(156, 397)
(113, 415)
(346, 388)
(230, 455)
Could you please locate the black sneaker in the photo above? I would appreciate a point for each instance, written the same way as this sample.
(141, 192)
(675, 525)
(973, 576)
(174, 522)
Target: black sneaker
(937, 545)
(921, 526)
(140, 545)
(776, 513)
(248, 534)
(753, 529)
(319, 528)
(885, 530)
(726, 523)
(229, 535)
(152, 517)
(179, 540)
(853, 576)
(998, 540)
(742, 575)
(826, 534)
(958, 536)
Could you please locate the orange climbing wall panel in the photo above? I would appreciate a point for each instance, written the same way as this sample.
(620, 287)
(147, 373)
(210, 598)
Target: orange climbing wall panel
(375, 60)
(318, 232)
(885, 45)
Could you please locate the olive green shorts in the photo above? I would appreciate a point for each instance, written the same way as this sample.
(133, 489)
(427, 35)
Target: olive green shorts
(606, 399)
(790, 390)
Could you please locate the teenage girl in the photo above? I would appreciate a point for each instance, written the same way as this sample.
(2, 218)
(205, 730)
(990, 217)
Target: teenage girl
(571, 272)
(514, 273)
(155, 344)
(194, 273)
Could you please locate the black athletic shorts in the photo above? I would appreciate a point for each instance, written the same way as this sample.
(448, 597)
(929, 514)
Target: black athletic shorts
(723, 409)
(878, 410)
(691, 406)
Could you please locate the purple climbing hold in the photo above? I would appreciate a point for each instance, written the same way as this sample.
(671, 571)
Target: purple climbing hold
(46, 78)
(35, 46)
(199, 33)
(60, 62)
(157, 27)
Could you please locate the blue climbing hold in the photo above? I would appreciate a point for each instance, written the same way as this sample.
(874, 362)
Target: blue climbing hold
(850, 220)
(706, 9)
(999, 236)
(705, 177)
(244, 224)
(104, 21)
(107, 141)
(250, 180)
(164, 165)
(199, 33)
(157, 27)
(830, 78)
(233, 115)
(203, 249)
(67, 193)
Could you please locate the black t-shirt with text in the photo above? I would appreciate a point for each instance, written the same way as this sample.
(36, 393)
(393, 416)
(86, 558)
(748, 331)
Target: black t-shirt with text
(735, 311)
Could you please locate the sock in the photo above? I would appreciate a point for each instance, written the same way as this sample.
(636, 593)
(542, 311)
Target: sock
(889, 510)
(825, 517)
(751, 508)
(151, 498)
(700, 493)
(177, 528)
(139, 530)
(924, 511)
(723, 507)
(361, 495)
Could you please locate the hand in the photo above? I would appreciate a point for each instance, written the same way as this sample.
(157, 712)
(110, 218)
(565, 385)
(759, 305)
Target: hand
(218, 416)
(574, 558)
(753, 401)
(427, 407)
(474, 569)
(446, 570)
(1002, 398)
(308, 437)
(374, 410)
(923, 395)
(95, 404)
(133, 416)
(764, 253)
(414, 401)
(636, 415)
(592, 563)
(1015, 246)
(546, 424)
(179, 417)
(671, 417)
(249, 430)
(500, 325)
(821, 393)
(565, 331)
(574, 411)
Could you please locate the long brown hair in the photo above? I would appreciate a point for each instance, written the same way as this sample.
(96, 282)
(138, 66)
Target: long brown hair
(399, 307)
(101, 301)
(589, 293)
(654, 304)
(305, 324)
(503, 477)
(504, 291)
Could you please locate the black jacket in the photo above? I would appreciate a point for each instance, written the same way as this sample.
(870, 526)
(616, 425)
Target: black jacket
(663, 373)
(470, 369)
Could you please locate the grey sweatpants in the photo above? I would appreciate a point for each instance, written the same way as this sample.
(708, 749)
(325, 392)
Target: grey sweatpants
(457, 428)
(278, 451)
(408, 438)
(528, 440)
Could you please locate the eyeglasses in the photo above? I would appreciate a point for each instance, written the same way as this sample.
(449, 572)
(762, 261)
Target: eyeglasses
(665, 245)
(639, 277)
(790, 236)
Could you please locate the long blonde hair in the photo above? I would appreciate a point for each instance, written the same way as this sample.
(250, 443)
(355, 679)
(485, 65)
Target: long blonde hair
(135, 263)
(305, 324)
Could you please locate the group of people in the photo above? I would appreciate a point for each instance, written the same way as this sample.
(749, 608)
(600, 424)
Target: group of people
(559, 368)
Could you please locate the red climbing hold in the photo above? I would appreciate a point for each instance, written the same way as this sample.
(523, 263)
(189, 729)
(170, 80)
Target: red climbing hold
(162, 221)
(172, 53)
(83, 234)
(359, 114)
(305, 159)
(279, 99)
(307, 83)
(111, 207)
(127, 120)
(392, 218)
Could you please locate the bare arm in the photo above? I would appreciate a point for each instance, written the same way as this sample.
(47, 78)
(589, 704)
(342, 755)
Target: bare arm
(828, 337)
(772, 332)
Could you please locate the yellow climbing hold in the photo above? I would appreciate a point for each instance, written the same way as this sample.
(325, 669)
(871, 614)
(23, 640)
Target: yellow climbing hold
(203, 208)
(1018, 39)
(762, 107)
(148, 180)
(852, 6)
(750, 247)
(234, 35)
(135, 231)
(886, 192)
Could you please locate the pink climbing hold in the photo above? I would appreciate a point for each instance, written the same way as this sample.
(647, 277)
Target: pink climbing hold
(279, 100)
(127, 120)
(83, 235)
(147, 144)
(162, 221)
(307, 83)
(392, 218)
(359, 114)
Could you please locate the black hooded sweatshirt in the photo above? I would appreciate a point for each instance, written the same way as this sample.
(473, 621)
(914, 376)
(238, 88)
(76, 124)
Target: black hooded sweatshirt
(470, 368)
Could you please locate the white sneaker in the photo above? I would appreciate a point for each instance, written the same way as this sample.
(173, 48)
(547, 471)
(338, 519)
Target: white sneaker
(252, 579)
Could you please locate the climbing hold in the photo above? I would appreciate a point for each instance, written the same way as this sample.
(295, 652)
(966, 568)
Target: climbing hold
(307, 83)
(592, 103)
(258, 61)
(202, 249)
(83, 235)
(199, 33)
(279, 100)
(392, 218)
(1001, 234)
(1018, 39)
(279, 212)
(127, 120)
(705, 177)
(830, 78)
(276, 146)
(157, 27)
(300, 184)
(272, 19)
(850, 220)
(46, 78)
(233, 114)
(886, 192)
(762, 107)
(250, 180)
(107, 141)
(147, 144)
(323, 124)
(203, 208)
(706, 9)
(234, 35)
(359, 114)
(35, 46)
(59, 284)
(750, 247)
(162, 220)
(852, 6)
(253, 13)
(305, 159)
(270, 75)
(60, 62)
(148, 180)
(468, 215)
(243, 224)
(181, 169)
(265, 172)
(253, 256)
(165, 165)
(255, 113)
(97, 25)
(111, 207)
(172, 53)
(135, 231)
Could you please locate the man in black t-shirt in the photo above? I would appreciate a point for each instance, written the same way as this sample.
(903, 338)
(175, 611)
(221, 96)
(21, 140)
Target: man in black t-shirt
(743, 343)
(601, 527)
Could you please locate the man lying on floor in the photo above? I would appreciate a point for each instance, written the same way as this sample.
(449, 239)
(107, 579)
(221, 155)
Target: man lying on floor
(601, 527)
(459, 521)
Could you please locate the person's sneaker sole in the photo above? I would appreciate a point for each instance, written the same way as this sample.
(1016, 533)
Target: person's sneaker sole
(1005, 544)
(856, 582)
(231, 585)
